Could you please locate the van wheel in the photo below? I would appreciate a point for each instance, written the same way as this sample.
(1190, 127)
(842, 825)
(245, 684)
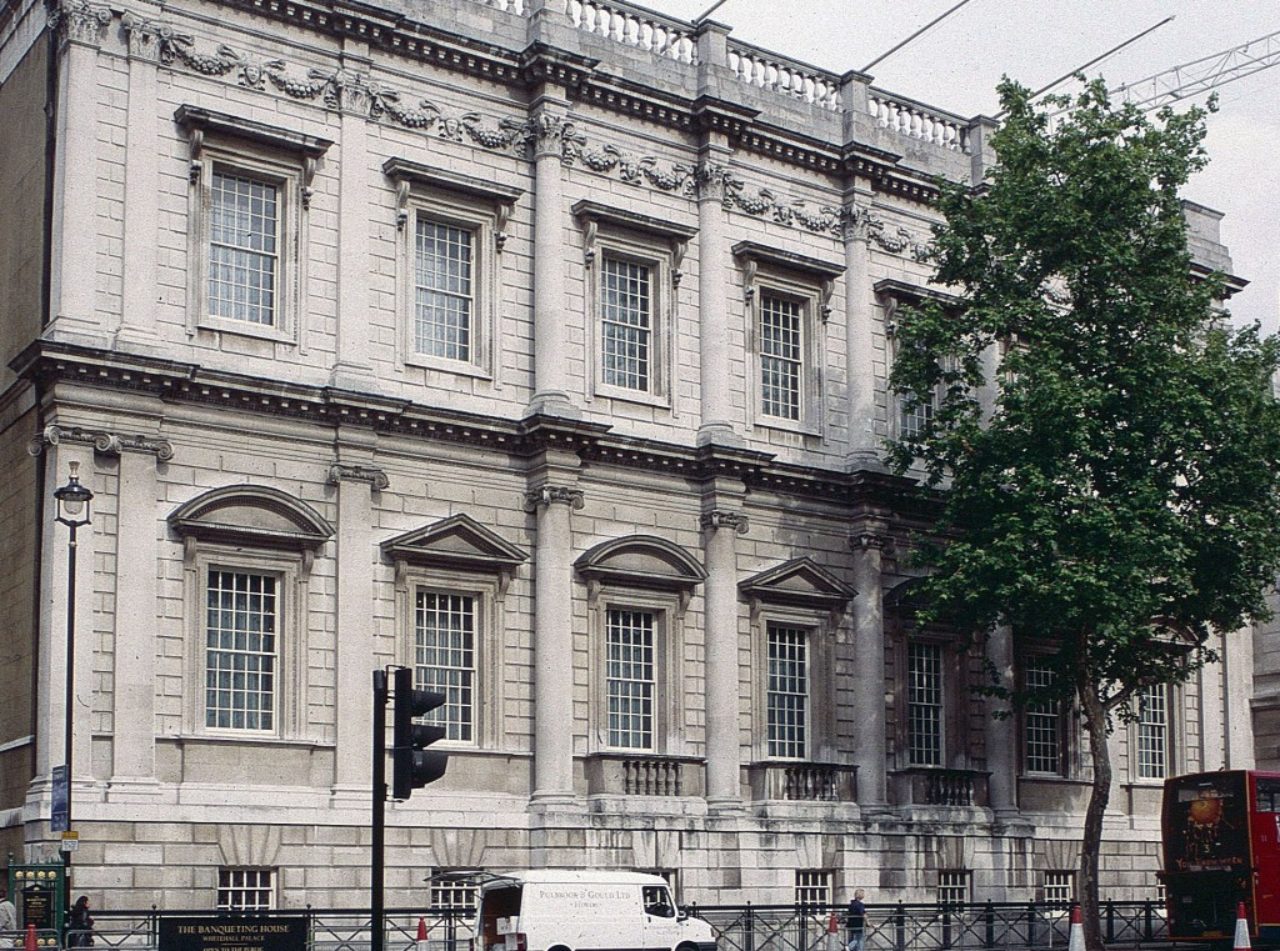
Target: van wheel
(686, 947)
(560, 947)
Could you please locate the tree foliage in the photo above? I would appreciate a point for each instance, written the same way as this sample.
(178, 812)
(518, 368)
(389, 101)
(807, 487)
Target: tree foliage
(1106, 446)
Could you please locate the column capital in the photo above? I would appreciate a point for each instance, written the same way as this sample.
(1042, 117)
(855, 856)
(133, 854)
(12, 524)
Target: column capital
(554, 135)
(78, 21)
(870, 540)
(545, 495)
(146, 37)
(343, 472)
(103, 443)
(714, 519)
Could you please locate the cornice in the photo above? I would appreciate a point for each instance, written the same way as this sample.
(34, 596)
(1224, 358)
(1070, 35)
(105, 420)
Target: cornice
(54, 364)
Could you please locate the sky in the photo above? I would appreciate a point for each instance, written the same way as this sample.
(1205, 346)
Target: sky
(956, 65)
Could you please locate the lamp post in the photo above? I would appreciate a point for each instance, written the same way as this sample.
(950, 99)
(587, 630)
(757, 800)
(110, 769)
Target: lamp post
(73, 511)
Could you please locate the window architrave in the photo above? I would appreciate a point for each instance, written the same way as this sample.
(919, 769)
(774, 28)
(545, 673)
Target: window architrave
(458, 555)
(797, 278)
(283, 158)
(800, 594)
(657, 244)
(261, 530)
(893, 295)
(644, 573)
(1068, 732)
(483, 209)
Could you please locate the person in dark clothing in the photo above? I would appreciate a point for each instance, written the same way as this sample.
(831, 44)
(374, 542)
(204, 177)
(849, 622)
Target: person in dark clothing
(80, 927)
(856, 922)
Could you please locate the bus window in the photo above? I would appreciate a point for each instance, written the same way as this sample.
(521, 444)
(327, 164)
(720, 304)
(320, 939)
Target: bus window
(1268, 795)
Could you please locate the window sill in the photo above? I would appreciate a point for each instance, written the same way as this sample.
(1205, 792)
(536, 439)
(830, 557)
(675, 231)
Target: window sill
(243, 328)
(793, 427)
(639, 397)
(252, 739)
(442, 365)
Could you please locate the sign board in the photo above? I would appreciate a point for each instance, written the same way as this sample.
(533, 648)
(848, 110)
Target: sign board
(37, 907)
(59, 814)
(70, 841)
(234, 933)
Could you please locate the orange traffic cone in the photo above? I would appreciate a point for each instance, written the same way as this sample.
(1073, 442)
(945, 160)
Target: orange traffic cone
(31, 942)
(1076, 941)
(1242, 929)
(422, 934)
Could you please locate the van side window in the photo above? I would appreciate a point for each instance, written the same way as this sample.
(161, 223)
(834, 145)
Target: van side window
(657, 901)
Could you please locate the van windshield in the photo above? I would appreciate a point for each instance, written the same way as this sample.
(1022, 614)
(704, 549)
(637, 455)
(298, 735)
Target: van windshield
(657, 901)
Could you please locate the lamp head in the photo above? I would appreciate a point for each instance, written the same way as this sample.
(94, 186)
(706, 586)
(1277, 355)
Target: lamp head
(73, 499)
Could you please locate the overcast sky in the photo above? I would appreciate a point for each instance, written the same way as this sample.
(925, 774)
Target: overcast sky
(957, 64)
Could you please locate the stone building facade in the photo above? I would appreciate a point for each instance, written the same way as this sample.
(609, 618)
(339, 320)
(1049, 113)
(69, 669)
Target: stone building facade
(540, 345)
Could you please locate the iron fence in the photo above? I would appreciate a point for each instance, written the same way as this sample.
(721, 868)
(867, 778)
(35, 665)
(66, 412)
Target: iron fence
(990, 926)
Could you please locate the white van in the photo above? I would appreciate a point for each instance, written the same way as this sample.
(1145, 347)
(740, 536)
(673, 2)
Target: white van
(569, 910)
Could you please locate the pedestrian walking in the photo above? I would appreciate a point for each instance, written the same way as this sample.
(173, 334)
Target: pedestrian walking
(80, 928)
(8, 914)
(856, 922)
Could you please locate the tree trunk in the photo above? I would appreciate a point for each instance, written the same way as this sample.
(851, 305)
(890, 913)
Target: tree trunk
(1095, 716)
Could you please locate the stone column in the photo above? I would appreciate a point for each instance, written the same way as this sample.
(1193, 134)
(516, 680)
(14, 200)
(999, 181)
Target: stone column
(864, 443)
(81, 27)
(1002, 734)
(134, 762)
(550, 332)
(356, 480)
(713, 298)
(141, 186)
(553, 497)
(352, 370)
(722, 522)
(869, 750)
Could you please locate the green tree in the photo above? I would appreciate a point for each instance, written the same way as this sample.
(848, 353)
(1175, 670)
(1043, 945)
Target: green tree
(1105, 448)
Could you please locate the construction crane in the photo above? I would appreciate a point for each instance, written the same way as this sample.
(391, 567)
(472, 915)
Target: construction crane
(1201, 75)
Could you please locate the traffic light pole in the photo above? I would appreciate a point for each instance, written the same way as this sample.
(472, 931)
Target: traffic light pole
(376, 900)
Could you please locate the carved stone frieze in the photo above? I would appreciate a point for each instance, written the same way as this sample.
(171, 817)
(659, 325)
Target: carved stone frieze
(79, 21)
(103, 443)
(901, 241)
(374, 476)
(722, 518)
(631, 170)
(553, 495)
(763, 203)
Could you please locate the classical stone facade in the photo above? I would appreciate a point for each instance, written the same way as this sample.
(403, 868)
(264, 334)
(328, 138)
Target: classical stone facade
(540, 345)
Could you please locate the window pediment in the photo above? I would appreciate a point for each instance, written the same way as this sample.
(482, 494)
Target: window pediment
(800, 582)
(251, 515)
(458, 542)
(641, 561)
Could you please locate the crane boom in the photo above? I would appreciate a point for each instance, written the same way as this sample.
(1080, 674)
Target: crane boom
(1190, 79)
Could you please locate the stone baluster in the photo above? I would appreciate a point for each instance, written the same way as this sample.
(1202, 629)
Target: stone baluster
(553, 502)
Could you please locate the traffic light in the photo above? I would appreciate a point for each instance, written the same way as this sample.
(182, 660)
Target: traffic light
(412, 765)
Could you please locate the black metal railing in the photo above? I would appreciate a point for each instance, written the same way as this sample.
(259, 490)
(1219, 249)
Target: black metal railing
(987, 926)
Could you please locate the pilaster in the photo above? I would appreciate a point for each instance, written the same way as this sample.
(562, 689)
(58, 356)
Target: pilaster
(553, 496)
(1001, 732)
(81, 27)
(713, 300)
(357, 481)
(722, 521)
(868, 541)
(860, 340)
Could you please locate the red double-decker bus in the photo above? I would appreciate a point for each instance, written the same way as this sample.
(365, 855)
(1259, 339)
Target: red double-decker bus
(1221, 836)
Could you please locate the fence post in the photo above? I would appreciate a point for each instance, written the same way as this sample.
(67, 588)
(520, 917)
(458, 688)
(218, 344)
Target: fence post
(749, 931)
(1148, 921)
(989, 916)
(900, 928)
(154, 926)
(1111, 920)
(1031, 926)
(946, 926)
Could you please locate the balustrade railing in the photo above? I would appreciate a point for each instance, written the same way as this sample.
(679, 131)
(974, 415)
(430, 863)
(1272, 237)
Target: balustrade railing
(633, 27)
(928, 786)
(916, 121)
(803, 782)
(757, 67)
(518, 7)
(657, 776)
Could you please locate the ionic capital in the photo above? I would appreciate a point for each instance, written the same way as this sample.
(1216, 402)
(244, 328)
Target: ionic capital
(78, 21)
(375, 477)
(722, 518)
(545, 495)
(103, 443)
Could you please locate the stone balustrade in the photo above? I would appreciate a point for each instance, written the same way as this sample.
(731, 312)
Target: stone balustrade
(623, 774)
(633, 27)
(518, 7)
(756, 67)
(927, 786)
(803, 782)
(915, 121)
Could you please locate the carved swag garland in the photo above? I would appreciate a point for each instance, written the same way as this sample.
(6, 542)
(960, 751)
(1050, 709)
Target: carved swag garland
(350, 90)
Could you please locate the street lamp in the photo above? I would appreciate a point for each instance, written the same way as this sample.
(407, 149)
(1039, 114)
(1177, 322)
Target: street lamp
(73, 511)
